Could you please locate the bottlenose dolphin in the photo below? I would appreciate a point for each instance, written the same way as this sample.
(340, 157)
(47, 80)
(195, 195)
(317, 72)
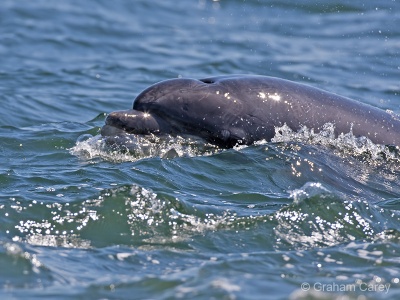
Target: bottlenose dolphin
(242, 109)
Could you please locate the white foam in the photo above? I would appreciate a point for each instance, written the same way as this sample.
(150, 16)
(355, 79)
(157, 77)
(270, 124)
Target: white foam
(135, 147)
(345, 143)
(132, 147)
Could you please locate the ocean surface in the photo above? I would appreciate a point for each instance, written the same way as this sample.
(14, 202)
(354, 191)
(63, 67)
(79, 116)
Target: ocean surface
(305, 216)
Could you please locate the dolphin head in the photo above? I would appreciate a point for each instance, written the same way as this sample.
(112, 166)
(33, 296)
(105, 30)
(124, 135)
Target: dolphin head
(209, 108)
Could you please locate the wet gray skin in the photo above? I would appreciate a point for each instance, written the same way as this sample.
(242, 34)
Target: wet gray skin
(242, 109)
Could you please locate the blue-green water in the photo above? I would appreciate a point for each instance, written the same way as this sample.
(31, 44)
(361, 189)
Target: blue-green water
(299, 218)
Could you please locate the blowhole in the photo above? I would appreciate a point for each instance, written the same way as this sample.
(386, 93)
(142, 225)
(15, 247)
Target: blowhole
(207, 80)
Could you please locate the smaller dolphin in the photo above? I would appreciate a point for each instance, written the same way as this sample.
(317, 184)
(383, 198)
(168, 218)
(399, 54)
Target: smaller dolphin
(242, 109)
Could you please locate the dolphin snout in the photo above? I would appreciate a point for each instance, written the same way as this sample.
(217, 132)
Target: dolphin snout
(130, 121)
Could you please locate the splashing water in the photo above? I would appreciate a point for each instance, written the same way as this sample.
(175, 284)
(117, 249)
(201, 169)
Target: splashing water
(130, 147)
(345, 143)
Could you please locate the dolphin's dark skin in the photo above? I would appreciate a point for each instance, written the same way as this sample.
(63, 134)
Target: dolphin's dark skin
(242, 109)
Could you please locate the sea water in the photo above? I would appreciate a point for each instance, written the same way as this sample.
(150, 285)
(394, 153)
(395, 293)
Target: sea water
(305, 216)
